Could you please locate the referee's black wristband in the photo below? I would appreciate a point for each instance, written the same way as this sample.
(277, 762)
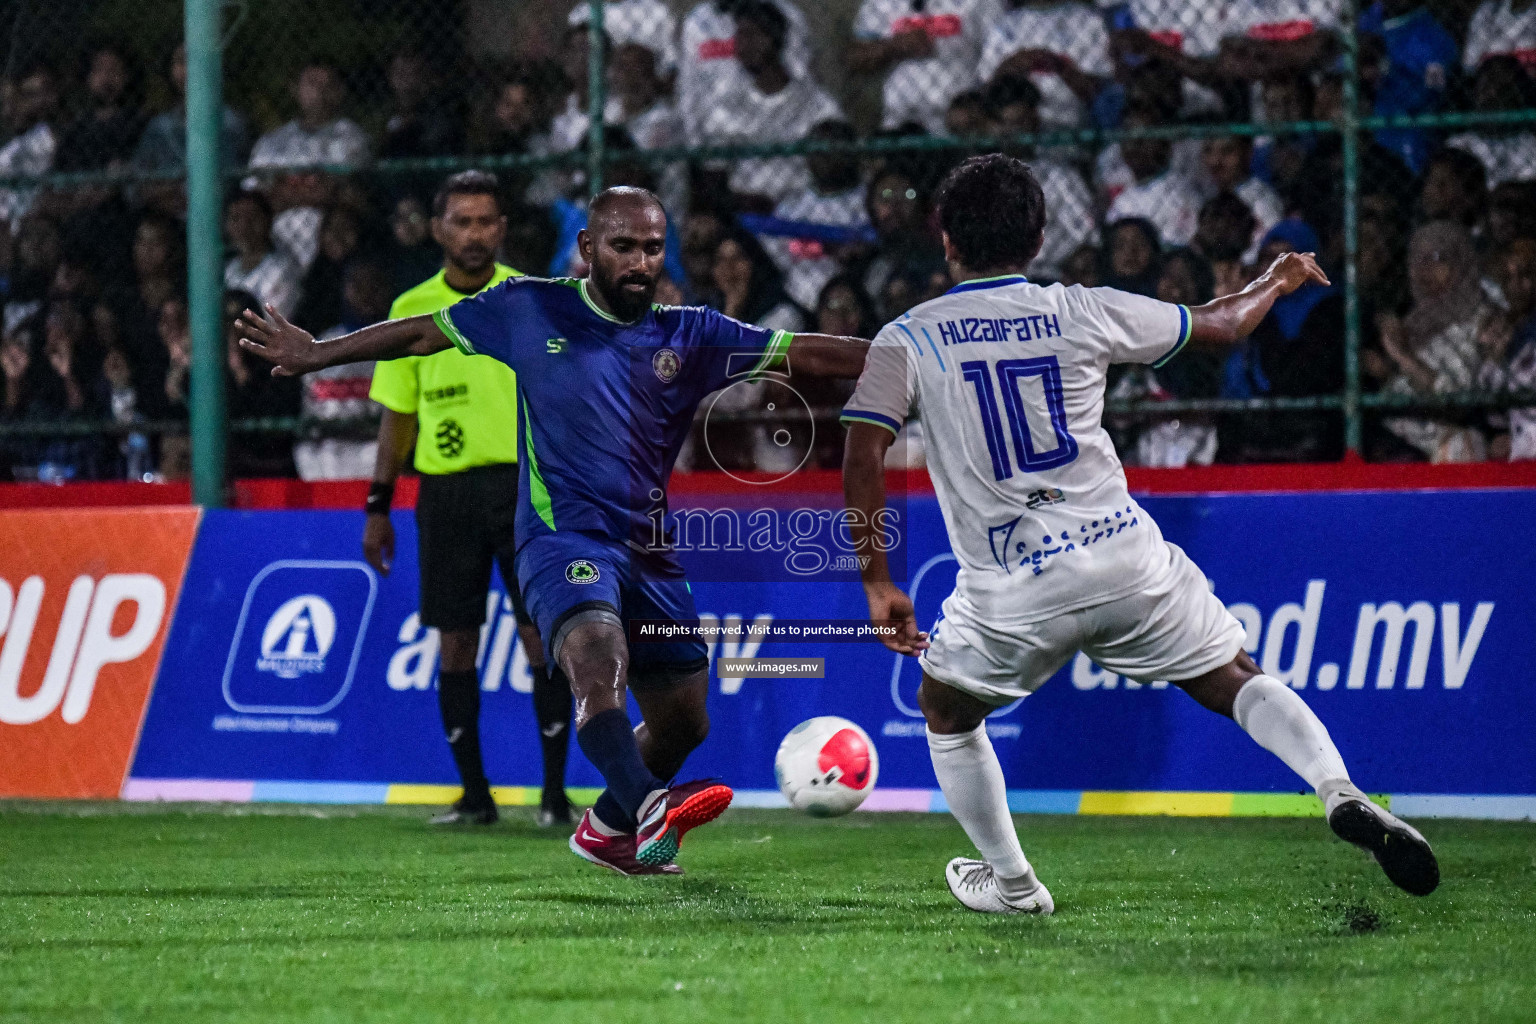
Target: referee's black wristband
(380, 497)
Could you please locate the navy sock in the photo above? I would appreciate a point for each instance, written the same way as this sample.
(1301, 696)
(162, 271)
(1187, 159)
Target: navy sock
(552, 709)
(608, 811)
(458, 700)
(608, 740)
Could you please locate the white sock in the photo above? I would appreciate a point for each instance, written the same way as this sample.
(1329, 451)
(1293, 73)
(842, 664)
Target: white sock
(972, 781)
(1281, 723)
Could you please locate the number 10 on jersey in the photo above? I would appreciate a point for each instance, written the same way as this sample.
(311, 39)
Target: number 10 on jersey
(1026, 420)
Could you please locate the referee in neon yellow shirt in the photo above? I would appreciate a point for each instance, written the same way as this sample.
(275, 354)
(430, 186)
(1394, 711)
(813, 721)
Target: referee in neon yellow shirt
(460, 413)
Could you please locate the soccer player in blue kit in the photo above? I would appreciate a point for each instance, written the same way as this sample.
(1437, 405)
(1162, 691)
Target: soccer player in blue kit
(607, 387)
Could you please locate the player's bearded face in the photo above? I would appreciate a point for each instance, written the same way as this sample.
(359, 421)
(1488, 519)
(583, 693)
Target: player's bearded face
(625, 270)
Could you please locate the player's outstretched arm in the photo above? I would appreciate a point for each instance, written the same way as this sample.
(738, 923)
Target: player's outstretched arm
(293, 351)
(1233, 317)
(826, 355)
(864, 492)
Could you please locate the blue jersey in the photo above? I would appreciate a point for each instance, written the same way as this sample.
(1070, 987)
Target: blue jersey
(604, 405)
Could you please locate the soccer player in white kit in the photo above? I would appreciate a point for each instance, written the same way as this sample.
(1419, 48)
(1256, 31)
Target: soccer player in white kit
(1055, 556)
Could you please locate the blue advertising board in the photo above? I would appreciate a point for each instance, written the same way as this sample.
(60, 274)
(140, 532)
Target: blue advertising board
(1408, 620)
(291, 659)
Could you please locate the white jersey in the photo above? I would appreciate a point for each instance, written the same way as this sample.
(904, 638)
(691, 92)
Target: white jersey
(1007, 378)
(1497, 29)
(708, 70)
(920, 90)
(751, 117)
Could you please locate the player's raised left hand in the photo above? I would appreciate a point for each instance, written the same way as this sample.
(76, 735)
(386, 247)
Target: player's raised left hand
(291, 349)
(889, 606)
(1294, 269)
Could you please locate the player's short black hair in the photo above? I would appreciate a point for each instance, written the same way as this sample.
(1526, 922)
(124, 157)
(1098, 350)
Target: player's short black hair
(466, 183)
(993, 211)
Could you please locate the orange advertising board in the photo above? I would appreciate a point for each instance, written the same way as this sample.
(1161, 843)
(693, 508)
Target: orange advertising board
(86, 598)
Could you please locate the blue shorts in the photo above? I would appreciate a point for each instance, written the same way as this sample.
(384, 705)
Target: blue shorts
(572, 575)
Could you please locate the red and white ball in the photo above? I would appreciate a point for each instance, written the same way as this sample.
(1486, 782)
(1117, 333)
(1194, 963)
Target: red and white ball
(826, 766)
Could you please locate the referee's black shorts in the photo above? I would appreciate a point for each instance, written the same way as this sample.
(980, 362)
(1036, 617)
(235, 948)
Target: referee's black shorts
(463, 524)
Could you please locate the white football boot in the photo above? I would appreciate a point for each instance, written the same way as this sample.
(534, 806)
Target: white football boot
(974, 885)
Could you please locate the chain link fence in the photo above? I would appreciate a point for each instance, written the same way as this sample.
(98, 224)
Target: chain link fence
(796, 147)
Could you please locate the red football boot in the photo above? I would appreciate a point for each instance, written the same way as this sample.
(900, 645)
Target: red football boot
(669, 817)
(615, 852)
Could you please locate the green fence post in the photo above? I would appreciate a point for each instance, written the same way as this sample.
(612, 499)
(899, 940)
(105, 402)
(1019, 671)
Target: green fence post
(1351, 129)
(597, 97)
(205, 249)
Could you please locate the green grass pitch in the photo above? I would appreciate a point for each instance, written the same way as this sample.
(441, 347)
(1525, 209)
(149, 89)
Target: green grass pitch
(123, 912)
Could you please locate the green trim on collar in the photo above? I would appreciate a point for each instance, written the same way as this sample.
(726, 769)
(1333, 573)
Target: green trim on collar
(581, 286)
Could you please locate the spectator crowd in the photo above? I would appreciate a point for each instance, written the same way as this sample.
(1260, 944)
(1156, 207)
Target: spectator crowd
(92, 277)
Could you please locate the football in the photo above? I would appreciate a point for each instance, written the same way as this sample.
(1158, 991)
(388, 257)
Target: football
(826, 766)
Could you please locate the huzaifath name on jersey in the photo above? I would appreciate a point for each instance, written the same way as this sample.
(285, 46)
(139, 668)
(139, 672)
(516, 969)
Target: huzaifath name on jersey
(986, 328)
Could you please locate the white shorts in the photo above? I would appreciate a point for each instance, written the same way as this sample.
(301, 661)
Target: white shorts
(1173, 629)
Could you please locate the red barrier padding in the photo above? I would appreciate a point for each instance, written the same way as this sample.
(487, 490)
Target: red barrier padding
(1350, 475)
(276, 493)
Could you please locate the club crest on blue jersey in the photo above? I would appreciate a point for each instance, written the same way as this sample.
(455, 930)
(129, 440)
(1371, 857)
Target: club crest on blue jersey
(581, 571)
(666, 364)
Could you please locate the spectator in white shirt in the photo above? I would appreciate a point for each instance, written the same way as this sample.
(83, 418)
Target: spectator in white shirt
(1228, 162)
(707, 66)
(1063, 48)
(769, 106)
(1438, 346)
(34, 106)
(1508, 153)
(319, 135)
(835, 197)
(1509, 348)
(1153, 85)
(928, 50)
(1498, 28)
(341, 392)
(1012, 104)
(1167, 199)
(1259, 39)
(650, 118)
(568, 128)
(257, 267)
(648, 23)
